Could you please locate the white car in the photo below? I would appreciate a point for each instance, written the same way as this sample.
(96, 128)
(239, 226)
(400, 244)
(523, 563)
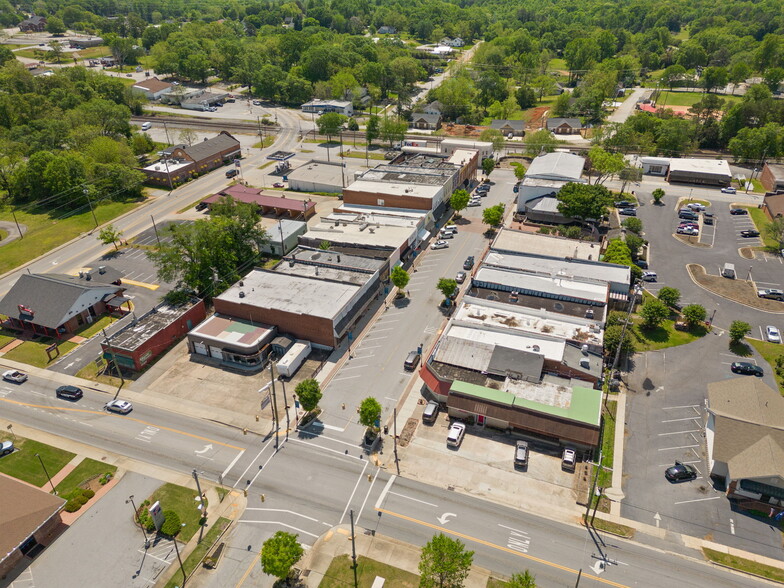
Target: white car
(729, 190)
(649, 276)
(440, 244)
(15, 376)
(696, 206)
(119, 406)
(474, 203)
(773, 334)
(688, 231)
(456, 434)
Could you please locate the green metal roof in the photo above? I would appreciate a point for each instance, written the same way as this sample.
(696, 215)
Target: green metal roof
(585, 407)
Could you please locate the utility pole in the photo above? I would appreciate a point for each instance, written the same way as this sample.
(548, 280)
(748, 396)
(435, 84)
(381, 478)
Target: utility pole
(261, 132)
(593, 487)
(203, 503)
(286, 404)
(394, 434)
(86, 192)
(165, 128)
(114, 358)
(182, 568)
(274, 403)
(623, 331)
(353, 550)
(155, 227)
(18, 228)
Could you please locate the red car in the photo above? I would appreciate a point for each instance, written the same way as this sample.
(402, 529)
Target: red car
(278, 185)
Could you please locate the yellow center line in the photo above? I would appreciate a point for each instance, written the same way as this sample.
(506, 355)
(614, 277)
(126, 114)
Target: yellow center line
(500, 548)
(146, 423)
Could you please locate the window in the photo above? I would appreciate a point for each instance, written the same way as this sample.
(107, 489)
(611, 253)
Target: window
(655, 169)
(760, 488)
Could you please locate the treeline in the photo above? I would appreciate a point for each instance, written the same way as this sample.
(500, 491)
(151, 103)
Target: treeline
(66, 137)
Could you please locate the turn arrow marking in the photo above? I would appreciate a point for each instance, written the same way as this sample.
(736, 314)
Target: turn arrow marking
(444, 518)
(205, 450)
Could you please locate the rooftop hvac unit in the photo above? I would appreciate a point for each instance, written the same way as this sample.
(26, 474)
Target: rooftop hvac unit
(585, 362)
(242, 294)
(584, 349)
(101, 269)
(535, 348)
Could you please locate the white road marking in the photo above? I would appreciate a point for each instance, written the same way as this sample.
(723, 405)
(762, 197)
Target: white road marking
(281, 524)
(242, 475)
(346, 378)
(283, 510)
(732, 526)
(685, 406)
(231, 465)
(679, 433)
(385, 491)
(680, 447)
(364, 502)
(677, 420)
(351, 497)
(414, 499)
(699, 500)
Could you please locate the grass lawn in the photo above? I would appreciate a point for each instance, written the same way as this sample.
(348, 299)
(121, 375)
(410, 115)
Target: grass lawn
(746, 565)
(3, 234)
(361, 155)
(760, 220)
(323, 143)
(200, 552)
(6, 337)
(95, 373)
(689, 99)
(268, 141)
(770, 352)
(38, 54)
(340, 574)
(85, 471)
(93, 52)
(557, 64)
(34, 352)
(90, 330)
(45, 232)
(608, 442)
(182, 500)
(663, 336)
(615, 528)
(24, 465)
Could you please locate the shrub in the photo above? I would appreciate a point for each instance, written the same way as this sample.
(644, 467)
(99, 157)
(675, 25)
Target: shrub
(544, 230)
(72, 505)
(105, 478)
(670, 296)
(171, 525)
(694, 314)
(574, 232)
(88, 493)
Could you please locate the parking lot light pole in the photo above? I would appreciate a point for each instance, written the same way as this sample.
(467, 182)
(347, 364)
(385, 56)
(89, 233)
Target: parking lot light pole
(47, 474)
(182, 568)
(137, 519)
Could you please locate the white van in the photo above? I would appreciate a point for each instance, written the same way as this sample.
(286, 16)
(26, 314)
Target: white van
(147, 126)
(728, 271)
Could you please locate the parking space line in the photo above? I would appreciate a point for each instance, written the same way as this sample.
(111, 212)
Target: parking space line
(680, 433)
(679, 447)
(685, 406)
(346, 378)
(666, 465)
(699, 500)
(676, 420)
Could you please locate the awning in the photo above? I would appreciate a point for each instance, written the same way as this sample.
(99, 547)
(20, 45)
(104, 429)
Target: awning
(423, 234)
(117, 301)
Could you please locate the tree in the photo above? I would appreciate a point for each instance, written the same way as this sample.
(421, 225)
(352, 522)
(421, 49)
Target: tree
(393, 129)
(55, 51)
(55, 25)
(459, 200)
(279, 554)
(629, 174)
(634, 242)
(561, 106)
(352, 124)
(399, 277)
(738, 330)
(605, 164)
(542, 141)
(370, 413)
(774, 230)
(633, 224)
(612, 338)
(672, 75)
(714, 77)
(657, 194)
(584, 201)
(654, 313)
(526, 97)
(544, 85)
(447, 286)
(488, 165)
(309, 394)
(524, 580)
(188, 136)
(694, 314)
(495, 137)
(110, 235)
(171, 523)
(493, 215)
(371, 129)
(445, 563)
(330, 123)
(670, 296)
(773, 78)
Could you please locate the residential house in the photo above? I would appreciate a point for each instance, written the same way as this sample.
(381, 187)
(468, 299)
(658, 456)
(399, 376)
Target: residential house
(54, 305)
(516, 128)
(182, 161)
(457, 42)
(435, 107)
(564, 126)
(34, 24)
(386, 30)
(152, 88)
(773, 205)
(424, 121)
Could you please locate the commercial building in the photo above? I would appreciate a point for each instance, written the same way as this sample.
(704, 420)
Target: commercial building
(137, 344)
(323, 106)
(745, 439)
(485, 148)
(538, 190)
(183, 162)
(284, 236)
(773, 205)
(318, 177)
(231, 342)
(772, 177)
(709, 172)
(515, 242)
(152, 88)
(655, 166)
(312, 294)
(275, 203)
(30, 519)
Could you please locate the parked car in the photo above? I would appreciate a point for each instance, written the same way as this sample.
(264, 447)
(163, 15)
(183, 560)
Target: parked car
(455, 436)
(738, 211)
(692, 231)
(201, 206)
(628, 211)
(729, 190)
(750, 233)
(468, 263)
(680, 472)
(257, 103)
(695, 206)
(569, 460)
(521, 454)
(231, 100)
(688, 215)
(624, 204)
(412, 361)
(278, 185)
(6, 447)
(440, 244)
(448, 234)
(689, 224)
(460, 277)
(773, 334)
(641, 263)
(707, 218)
(232, 172)
(483, 188)
(69, 392)
(747, 369)
(649, 276)
(770, 293)
(472, 203)
(15, 376)
(430, 414)
(119, 406)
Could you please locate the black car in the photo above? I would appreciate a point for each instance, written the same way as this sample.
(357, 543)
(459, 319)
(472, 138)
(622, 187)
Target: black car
(681, 472)
(641, 263)
(69, 392)
(468, 263)
(624, 204)
(747, 369)
(750, 233)
(201, 206)
(738, 211)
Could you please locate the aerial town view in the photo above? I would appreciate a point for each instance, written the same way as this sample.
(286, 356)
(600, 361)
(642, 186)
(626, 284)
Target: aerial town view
(327, 294)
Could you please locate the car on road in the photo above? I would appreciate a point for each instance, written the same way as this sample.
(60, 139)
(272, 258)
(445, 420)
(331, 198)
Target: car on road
(773, 334)
(119, 406)
(771, 294)
(460, 277)
(738, 211)
(455, 436)
(680, 472)
(750, 233)
(628, 211)
(6, 447)
(569, 459)
(440, 244)
(278, 185)
(649, 276)
(729, 190)
(15, 376)
(746, 368)
(521, 454)
(232, 172)
(69, 392)
(468, 263)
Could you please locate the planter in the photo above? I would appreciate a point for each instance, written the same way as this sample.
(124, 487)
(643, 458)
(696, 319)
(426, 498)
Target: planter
(213, 559)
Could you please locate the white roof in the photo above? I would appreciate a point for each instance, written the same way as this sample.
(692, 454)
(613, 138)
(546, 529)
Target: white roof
(477, 337)
(169, 167)
(544, 245)
(294, 294)
(557, 286)
(711, 166)
(462, 156)
(429, 191)
(382, 236)
(320, 173)
(557, 166)
(467, 144)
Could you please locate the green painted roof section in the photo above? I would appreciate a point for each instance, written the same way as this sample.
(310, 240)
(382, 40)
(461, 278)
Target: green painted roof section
(240, 327)
(585, 407)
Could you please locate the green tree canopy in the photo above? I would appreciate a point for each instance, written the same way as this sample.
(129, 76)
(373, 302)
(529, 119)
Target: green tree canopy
(738, 330)
(309, 394)
(670, 296)
(488, 165)
(657, 194)
(775, 230)
(605, 164)
(444, 563)
(654, 312)
(279, 554)
(541, 141)
(446, 286)
(369, 412)
(459, 199)
(109, 234)
(584, 201)
(524, 580)
(694, 314)
(399, 277)
(493, 215)
(612, 338)
(330, 123)
(633, 224)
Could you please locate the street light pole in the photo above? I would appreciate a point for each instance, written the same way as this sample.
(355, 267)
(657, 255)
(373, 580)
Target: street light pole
(47, 474)
(182, 568)
(136, 518)
(195, 475)
(286, 404)
(274, 403)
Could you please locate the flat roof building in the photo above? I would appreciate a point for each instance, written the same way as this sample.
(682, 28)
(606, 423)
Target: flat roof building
(711, 172)
(322, 106)
(533, 244)
(558, 166)
(318, 176)
(231, 342)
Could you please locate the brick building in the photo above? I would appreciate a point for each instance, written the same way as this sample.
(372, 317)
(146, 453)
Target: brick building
(181, 162)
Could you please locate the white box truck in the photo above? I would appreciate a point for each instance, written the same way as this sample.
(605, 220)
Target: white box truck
(289, 363)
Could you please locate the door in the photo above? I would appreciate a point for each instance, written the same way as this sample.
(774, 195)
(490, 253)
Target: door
(200, 348)
(216, 352)
(480, 420)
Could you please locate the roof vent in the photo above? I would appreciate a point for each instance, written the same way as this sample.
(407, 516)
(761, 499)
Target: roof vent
(242, 294)
(101, 269)
(584, 349)
(585, 362)
(242, 283)
(535, 348)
